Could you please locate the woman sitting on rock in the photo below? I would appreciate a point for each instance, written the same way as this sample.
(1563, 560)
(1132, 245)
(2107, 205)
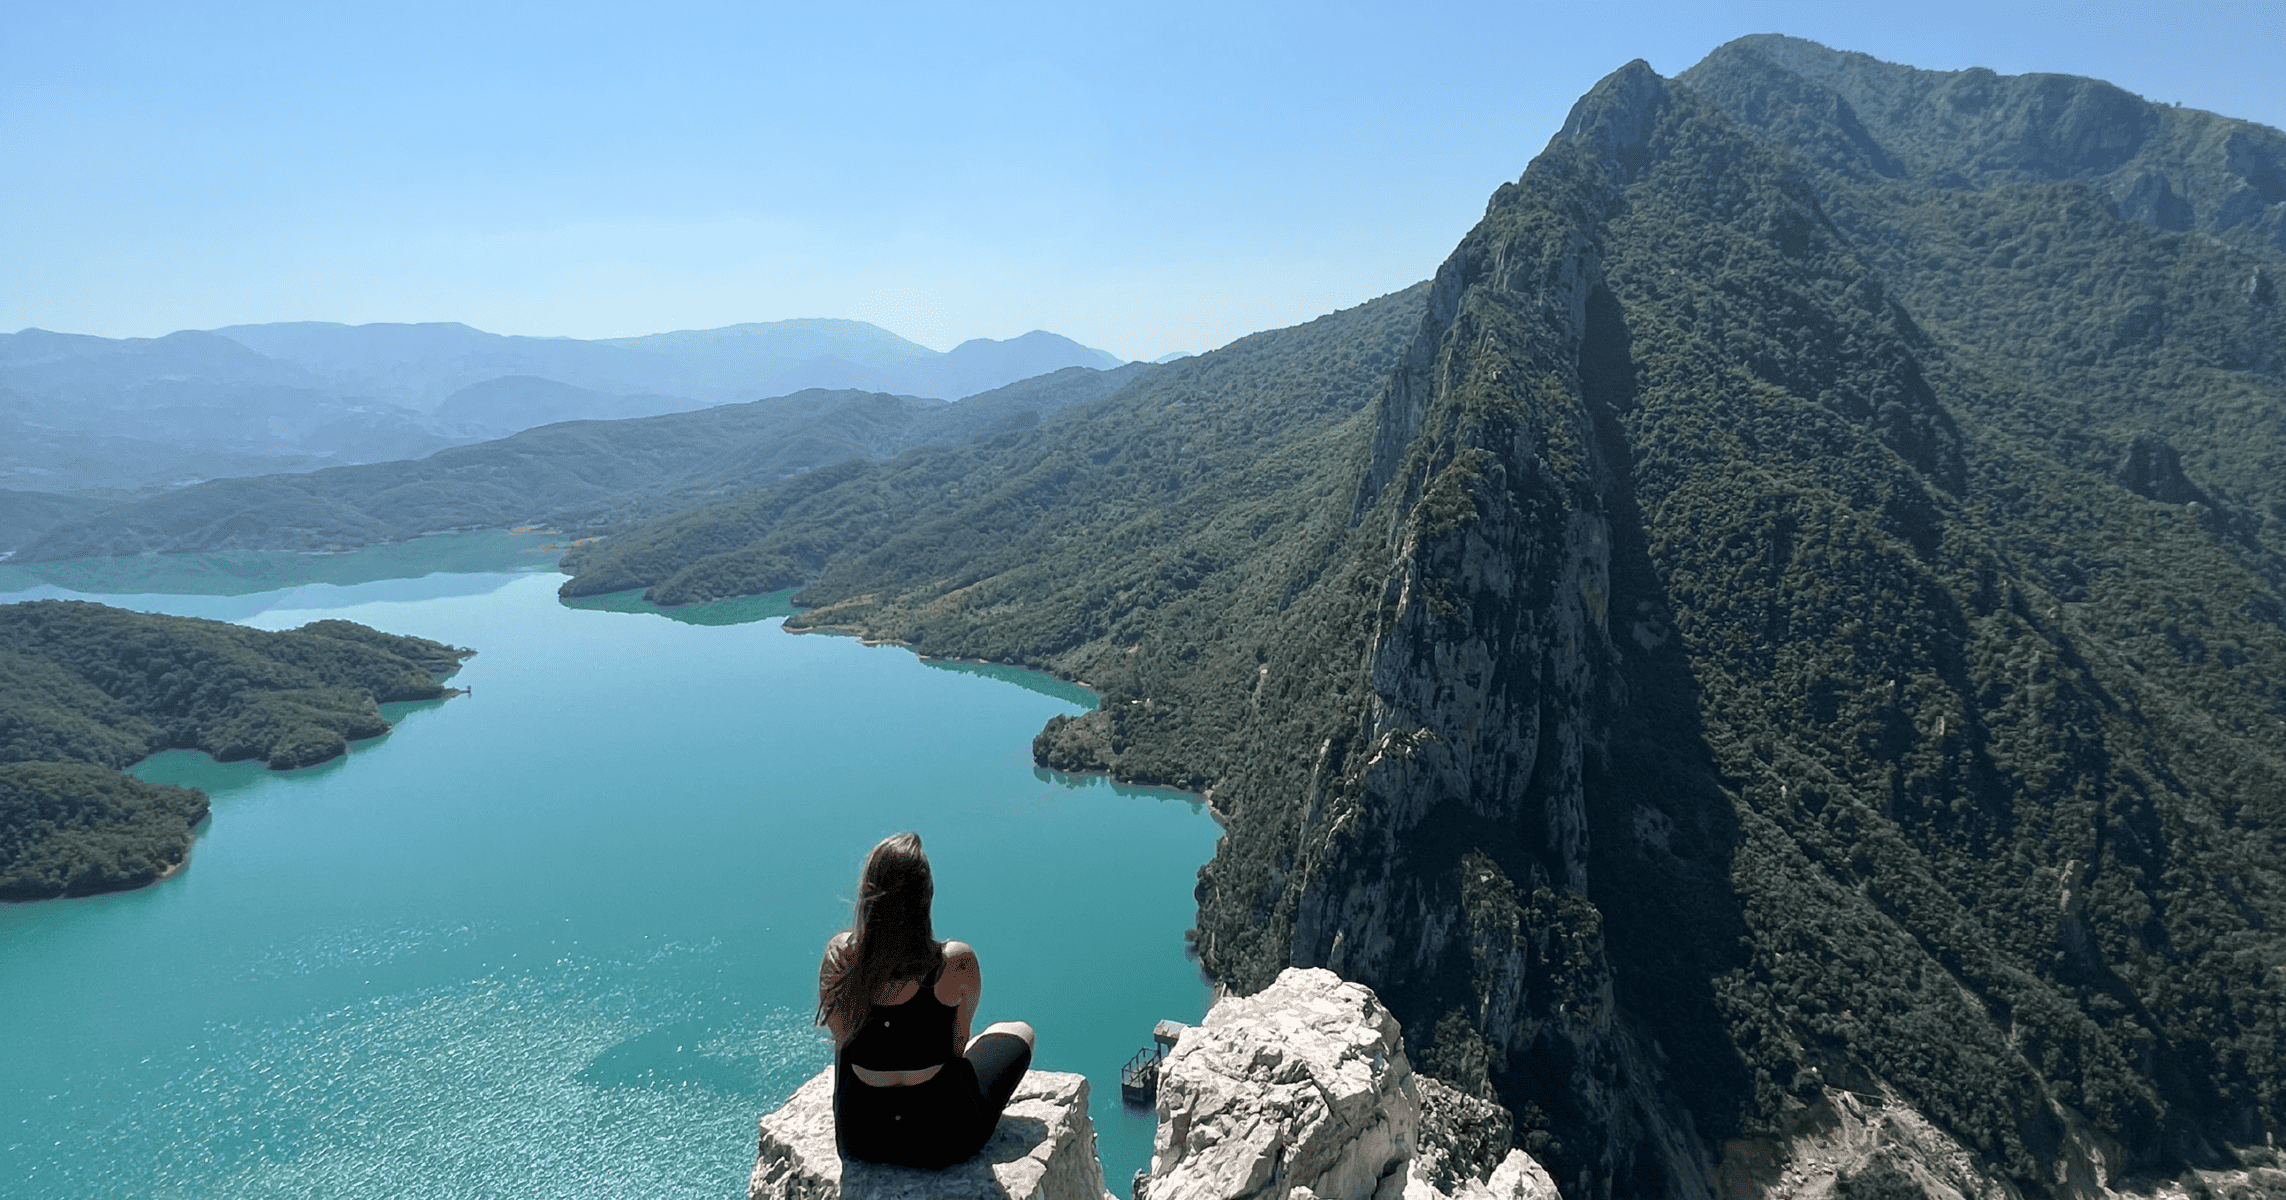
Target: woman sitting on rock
(909, 1085)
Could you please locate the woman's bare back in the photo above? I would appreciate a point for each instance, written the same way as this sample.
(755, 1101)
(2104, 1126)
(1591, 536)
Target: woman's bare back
(959, 986)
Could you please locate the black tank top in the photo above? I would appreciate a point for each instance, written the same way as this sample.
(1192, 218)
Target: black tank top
(908, 1036)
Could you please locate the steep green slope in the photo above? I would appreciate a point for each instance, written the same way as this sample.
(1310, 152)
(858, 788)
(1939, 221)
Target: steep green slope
(1798, 627)
(86, 689)
(2155, 347)
(1242, 449)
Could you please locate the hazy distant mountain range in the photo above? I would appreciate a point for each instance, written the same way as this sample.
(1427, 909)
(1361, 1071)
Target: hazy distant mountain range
(81, 414)
(424, 366)
(577, 476)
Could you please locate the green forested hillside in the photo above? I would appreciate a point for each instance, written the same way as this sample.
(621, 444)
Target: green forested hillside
(1205, 463)
(1793, 617)
(86, 690)
(578, 476)
(71, 829)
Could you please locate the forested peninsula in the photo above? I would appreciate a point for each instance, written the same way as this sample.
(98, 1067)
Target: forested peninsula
(87, 690)
(1788, 619)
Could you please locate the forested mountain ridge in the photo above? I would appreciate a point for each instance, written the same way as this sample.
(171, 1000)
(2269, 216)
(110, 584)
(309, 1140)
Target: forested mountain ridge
(86, 690)
(2169, 167)
(1785, 631)
(1679, 438)
(1197, 469)
(577, 476)
(2163, 353)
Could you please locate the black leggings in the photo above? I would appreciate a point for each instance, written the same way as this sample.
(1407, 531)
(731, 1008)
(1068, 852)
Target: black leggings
(934, 1124)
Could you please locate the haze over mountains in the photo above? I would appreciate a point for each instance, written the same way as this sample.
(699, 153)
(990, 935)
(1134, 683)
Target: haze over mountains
(423, 366)
(87, 414)
(574, 476)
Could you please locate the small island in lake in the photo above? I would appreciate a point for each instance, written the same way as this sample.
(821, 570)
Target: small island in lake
(87, 690)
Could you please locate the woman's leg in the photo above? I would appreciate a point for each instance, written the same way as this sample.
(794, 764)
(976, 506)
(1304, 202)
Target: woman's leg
(1000, 1055)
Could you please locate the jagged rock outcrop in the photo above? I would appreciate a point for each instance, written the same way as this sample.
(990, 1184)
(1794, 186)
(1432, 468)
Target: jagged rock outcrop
(1464, 1154)
(1302, 1085)
(1462, 1136)
(1304, 1090)
(2152, 469)
(1043, 1150)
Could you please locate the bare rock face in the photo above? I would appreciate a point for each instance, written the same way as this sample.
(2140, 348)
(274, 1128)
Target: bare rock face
(1463, 1139)
(1299, 1090)
(1464, 1151)
(1303, 1092)
(1518, 1177)
(1043, 1150)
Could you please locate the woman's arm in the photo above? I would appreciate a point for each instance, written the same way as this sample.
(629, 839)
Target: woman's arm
(829, 969)
(961, 986)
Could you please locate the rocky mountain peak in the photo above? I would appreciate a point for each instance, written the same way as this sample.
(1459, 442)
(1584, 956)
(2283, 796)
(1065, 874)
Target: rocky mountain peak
(1614, 120)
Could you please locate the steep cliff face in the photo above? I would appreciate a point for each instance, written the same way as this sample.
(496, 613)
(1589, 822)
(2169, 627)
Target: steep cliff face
(1449, 858)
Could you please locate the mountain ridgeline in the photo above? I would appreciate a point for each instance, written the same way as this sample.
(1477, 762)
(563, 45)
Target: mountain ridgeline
(576, 476)
(1787, 620)
(102, 416)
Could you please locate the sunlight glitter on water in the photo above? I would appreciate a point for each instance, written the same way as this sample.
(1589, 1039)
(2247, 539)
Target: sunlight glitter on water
(559, 937)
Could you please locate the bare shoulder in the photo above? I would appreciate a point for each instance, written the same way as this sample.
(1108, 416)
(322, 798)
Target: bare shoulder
(960, 984)
(838, 945)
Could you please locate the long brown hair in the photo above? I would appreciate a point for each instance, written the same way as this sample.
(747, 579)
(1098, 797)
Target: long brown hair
(889, 938)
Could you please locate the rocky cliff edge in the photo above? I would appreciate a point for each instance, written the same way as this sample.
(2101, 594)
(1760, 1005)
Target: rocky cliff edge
(1299, 1092)
(1043, 1150)
(1303, 1090)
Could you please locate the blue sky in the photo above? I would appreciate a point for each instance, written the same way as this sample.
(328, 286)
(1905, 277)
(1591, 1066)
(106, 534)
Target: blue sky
(1142, 177)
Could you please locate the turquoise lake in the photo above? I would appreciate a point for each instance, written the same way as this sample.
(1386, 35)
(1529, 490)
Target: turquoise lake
(559, 936)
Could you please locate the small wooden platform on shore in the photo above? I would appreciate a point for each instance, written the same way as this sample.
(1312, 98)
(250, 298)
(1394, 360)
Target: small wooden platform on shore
(1139, 1079)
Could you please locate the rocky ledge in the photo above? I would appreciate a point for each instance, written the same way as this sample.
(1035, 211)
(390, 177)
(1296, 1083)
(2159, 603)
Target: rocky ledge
(1303, 1091)
(1299, 1092)
(1043, 1150)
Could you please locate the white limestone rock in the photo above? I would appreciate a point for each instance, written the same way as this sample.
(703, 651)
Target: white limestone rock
(1301, 1090)
(1043, 1150)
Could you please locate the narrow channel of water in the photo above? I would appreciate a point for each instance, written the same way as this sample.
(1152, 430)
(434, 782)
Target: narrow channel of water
(559, 936)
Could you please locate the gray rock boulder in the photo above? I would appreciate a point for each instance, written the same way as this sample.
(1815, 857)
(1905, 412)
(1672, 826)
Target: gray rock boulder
(1043, 1150)
(1303, 1092)
(1302, 1088)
